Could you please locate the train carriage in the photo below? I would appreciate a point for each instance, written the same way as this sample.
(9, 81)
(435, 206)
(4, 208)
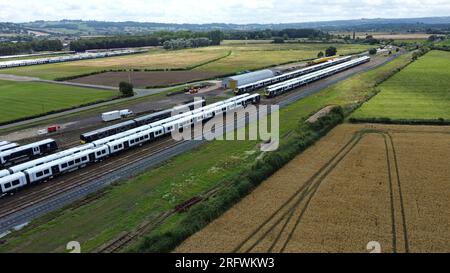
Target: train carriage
(12, 183)
(107, 131)
(26, 152)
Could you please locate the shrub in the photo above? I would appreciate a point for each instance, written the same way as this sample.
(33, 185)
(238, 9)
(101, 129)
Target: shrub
(126, 89)
(200, 215)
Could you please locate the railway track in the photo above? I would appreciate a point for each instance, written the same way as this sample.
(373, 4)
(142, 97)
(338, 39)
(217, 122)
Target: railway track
(124, 240)
(43, 191)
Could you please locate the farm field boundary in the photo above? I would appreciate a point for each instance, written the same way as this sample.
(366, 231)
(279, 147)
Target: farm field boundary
(419, 94)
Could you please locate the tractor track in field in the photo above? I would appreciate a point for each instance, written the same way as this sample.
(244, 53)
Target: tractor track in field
(280, 226)
(307, 189)
(389, 143)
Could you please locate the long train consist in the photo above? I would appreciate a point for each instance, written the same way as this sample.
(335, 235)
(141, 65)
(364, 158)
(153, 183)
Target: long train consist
(280, 88)
(54, 165)
(263, 83)
(130, 124)
(26, 152)
(67, 58)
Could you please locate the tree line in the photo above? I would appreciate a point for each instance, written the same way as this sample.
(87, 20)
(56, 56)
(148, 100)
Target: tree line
(10, 48)
(186, 43)
(155, 39)
(186, 39)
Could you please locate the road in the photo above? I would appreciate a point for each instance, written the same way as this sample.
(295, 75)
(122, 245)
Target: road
(30, 213)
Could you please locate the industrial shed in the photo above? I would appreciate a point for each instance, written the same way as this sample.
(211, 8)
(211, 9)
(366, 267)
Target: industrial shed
(238, 80)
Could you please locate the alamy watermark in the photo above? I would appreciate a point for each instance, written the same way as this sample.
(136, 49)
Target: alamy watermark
(263, 123)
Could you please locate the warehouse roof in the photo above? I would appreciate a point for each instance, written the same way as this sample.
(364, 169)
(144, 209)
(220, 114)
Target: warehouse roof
(252, 76)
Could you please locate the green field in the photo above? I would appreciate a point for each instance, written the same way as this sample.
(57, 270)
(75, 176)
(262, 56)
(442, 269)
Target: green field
(125, 206)
(243, 57)
(25, 99)
(444, 43)
(420, 91)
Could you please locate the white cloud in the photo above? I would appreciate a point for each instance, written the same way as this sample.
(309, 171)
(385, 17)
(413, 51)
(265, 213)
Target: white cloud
(227, 11)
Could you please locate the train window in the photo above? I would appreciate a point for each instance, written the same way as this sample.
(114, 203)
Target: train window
(46, 171)
(7, 185)
(77, 160)
(15, 182)
(71, 163)
(39, 174)
(64, 165)
(99, 153)
(132, 141)
(84, 158)
(104, 152)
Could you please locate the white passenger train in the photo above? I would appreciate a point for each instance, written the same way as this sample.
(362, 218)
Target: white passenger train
(282, 87)
(48, 167)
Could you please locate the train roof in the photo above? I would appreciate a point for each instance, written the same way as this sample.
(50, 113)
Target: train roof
(4, 173)
(57, 162)
(8, 146)
(49, 158)
(2, 143)
(104, 129)
(155, 114)
(296, 71)
(10, 178)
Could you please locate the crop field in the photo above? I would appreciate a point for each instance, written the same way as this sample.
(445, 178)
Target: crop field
(420, 91)
(144, 197)
(243, 57)
(146, 79)
(24, 99)
(154, 59)
(255, 56)
(360, 183)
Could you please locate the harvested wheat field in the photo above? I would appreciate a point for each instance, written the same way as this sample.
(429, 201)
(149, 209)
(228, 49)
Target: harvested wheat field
(360, 183)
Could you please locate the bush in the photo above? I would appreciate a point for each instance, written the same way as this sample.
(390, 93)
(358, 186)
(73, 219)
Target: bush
(331, 51)
(126, 89)
(202, 214)
(372, 51)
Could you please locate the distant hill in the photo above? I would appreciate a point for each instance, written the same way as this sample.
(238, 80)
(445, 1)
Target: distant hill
(79, 27)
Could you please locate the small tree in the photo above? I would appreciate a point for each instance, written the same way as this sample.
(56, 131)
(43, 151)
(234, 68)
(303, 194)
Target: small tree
(331, 51)
(126, 89)
(320, 55)
(372, 51)
(278, 40)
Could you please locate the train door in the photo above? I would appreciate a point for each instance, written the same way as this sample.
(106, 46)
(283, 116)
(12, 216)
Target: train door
(36, 150)
(55, 169)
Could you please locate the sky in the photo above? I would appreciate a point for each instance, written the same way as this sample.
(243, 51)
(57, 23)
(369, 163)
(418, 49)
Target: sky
(218, 11)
